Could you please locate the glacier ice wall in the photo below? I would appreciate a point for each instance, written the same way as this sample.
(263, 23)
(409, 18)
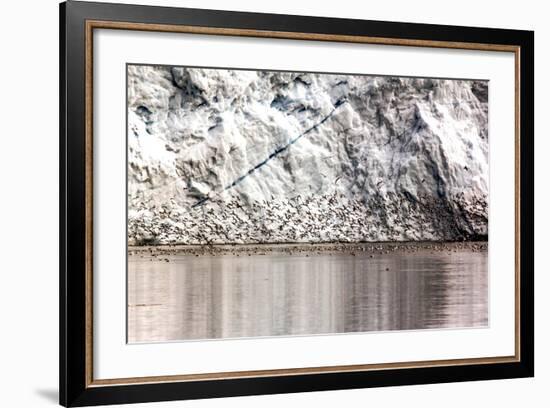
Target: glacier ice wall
(238, 156)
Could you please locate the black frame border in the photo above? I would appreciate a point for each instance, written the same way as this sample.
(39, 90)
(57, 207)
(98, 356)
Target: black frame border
(74, 390)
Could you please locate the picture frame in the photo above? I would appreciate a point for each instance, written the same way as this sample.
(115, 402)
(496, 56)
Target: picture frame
(79, 21)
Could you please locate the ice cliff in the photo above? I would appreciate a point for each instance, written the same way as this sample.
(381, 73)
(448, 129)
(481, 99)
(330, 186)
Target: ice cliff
(234, 156)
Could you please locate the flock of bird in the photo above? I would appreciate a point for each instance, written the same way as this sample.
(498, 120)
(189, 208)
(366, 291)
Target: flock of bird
(312, 219)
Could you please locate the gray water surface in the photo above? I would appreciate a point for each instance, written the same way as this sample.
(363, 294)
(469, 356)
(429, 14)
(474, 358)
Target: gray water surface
(183, 297)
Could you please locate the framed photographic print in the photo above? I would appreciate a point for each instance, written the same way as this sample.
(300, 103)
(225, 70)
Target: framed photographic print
(256, 203)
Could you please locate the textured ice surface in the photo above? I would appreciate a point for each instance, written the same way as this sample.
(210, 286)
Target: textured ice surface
(222, 156)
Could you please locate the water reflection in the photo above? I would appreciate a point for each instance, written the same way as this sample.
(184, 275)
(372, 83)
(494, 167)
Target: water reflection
(274, 295)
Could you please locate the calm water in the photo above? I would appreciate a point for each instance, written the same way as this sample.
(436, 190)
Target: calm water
(279, 294)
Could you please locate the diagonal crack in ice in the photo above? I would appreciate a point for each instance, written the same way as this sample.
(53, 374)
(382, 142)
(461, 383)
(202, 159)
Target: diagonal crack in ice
(275, 153)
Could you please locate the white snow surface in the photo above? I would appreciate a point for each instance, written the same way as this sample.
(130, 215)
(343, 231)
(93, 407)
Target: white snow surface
(238, 156)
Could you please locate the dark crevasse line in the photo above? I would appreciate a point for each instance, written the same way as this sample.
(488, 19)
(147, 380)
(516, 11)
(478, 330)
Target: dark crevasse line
(275, 153)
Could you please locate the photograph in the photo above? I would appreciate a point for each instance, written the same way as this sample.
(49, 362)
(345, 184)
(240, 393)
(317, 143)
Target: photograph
(267, 203)
(255, 203)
